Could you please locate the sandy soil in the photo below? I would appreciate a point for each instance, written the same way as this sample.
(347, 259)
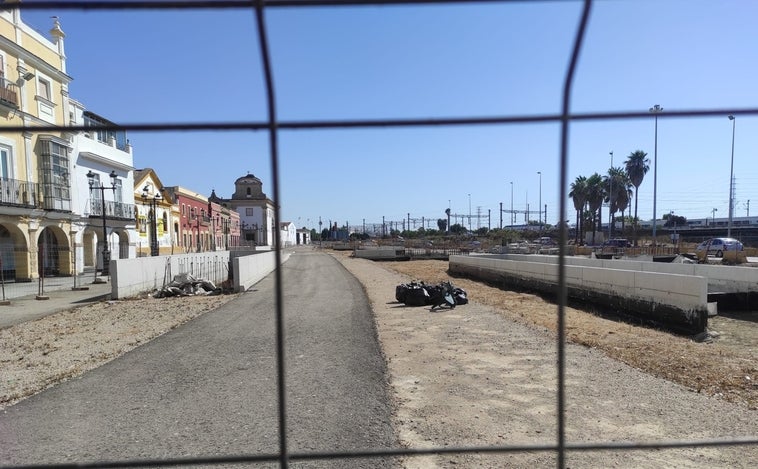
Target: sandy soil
(482, 374)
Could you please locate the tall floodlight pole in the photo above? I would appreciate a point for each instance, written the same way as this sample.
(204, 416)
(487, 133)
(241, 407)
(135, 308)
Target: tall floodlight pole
(540, 205)
(512, 216)
(655, 110)
(731, 181)
(469, 212)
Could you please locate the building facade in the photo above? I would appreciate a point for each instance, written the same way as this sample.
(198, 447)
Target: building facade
(157, 229)
(255, 210)
(56, 218)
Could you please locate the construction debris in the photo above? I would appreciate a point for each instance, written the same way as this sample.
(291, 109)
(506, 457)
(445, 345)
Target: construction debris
(421, 294)
(187, 285)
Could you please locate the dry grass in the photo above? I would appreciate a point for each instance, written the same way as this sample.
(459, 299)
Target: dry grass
(716, 368)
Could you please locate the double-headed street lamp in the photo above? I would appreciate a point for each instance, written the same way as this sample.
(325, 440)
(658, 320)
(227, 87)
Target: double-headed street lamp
(731, 181)
(92, 186)
(655, 110)
(152, 202)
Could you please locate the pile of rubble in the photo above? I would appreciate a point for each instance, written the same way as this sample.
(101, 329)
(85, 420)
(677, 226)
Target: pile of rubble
(187, 285)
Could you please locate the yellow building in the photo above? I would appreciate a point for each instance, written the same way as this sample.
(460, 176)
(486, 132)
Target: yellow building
(35, 167)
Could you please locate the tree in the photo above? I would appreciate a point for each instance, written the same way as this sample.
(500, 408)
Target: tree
(637, 165)
(618, 193)
(458, 229)
(595, 197)
(441, 224)
(578, 195)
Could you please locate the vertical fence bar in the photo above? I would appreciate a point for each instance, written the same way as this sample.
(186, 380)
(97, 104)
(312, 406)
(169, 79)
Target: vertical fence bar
(270, 98)
(563, 234)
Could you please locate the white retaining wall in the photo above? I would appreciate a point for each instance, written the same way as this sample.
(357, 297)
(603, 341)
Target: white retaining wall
(131, 277)
(685, 292)
(721, 278)
(249, 270)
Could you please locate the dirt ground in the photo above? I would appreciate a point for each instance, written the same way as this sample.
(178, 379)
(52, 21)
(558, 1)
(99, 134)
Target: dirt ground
(726, 366)
(484, 374)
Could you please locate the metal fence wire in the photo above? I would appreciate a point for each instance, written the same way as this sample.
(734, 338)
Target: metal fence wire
(274, 126)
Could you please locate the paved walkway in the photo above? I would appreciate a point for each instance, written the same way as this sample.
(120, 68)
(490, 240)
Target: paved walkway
(29, 308)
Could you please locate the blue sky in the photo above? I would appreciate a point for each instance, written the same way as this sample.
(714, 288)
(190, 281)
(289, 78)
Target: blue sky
(424, 62)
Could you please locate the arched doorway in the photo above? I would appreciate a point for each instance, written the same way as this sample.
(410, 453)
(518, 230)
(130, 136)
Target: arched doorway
(14, 253)
(53, 253)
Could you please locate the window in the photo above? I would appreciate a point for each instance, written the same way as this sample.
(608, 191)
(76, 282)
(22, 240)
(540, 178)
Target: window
(46, 106)
(249, 212)
(54, 175)
(43, 89)
(118, 195)
(5, 161)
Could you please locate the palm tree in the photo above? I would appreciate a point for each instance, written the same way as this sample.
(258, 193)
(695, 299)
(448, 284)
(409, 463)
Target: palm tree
(595, 197)
(637, 165)
(578, 195)
(618, 193)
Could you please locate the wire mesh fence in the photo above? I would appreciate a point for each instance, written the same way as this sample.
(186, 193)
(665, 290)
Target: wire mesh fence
(274, 126)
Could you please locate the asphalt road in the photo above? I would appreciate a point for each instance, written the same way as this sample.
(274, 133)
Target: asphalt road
(208, 388)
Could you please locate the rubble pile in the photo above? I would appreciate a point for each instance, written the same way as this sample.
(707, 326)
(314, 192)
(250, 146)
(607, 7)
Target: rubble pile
(187, 285)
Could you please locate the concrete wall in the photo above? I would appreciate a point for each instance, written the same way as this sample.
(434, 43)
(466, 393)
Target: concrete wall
(677, 301)
(721, 278)
(381, 253)
(249, 270)
(131, 277)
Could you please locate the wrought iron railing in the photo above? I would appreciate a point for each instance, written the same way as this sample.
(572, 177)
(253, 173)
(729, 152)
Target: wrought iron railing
(113, 209)
(19, 193)
(8, 93)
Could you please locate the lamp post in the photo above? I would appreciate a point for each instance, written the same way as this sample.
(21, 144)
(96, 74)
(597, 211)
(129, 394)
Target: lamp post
(512, 216)
(655, 110)
(731, 181)
(92, 186)
(469, 213)
(540, 205)
(152, 203)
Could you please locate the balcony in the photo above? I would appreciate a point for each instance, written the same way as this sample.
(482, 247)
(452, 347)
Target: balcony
(18, 193)
(116, 210)
(8, 93)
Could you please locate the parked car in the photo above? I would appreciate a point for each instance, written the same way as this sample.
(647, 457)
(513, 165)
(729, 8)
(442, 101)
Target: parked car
(717, 246)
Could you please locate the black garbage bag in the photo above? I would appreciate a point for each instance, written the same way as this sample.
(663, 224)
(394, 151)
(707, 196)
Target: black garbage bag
(460, 296)
(416, 295)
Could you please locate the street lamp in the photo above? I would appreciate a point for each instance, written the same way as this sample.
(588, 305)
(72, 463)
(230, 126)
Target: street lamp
(92, 186)
(731, 181)
(152, 202)
(655, 110)
(540, 205)
(469, 212)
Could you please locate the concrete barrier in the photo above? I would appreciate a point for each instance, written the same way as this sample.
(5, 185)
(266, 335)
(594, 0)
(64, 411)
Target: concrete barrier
(379, 253)
(721, 278)
(251, 269)
(677, 302)
(132, 277)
